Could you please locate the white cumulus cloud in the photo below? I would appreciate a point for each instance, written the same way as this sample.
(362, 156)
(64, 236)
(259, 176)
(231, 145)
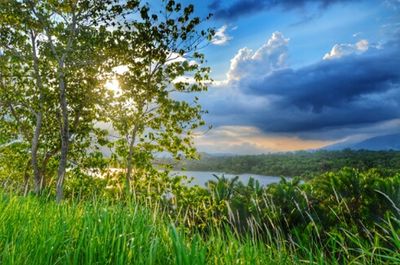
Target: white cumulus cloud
(272, 55)
(340, 50)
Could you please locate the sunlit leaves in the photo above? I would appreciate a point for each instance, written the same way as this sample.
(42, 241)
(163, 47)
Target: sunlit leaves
(78, 44)
(157, 52)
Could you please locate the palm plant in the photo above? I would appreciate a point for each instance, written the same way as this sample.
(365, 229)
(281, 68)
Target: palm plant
(223, 188)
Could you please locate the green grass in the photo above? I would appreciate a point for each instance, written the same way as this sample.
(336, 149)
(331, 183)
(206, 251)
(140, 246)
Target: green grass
(33, 231)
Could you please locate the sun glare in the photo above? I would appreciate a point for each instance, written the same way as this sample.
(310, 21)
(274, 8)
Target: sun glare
(113, 85)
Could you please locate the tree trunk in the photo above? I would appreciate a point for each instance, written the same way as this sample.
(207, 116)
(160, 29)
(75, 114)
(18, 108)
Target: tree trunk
(34, 157)
(64, 127)
(39, 119)
(130, 159)
(64, 135)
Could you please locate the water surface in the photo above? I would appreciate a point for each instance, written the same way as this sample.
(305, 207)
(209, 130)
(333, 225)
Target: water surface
(202, 177)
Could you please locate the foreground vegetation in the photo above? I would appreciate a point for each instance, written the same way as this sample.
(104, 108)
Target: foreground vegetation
(348, 217)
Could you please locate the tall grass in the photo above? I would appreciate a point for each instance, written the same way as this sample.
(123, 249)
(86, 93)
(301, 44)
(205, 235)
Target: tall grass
(34, 231)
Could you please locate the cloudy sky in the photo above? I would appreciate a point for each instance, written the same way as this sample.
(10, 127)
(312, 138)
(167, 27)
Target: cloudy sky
(300, 74)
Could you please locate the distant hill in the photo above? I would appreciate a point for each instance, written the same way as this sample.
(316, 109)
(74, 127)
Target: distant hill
(211, 155)
(378, 143)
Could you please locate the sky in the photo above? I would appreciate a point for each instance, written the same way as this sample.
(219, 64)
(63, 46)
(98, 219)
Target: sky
(300, 74)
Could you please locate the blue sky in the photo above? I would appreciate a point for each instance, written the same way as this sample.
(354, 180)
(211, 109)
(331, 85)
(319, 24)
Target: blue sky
(312, 30)
(300, 74)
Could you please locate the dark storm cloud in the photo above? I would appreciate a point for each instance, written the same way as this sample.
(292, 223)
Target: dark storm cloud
(351, 91)
(352, 115)
(333, 83)
(240, 8)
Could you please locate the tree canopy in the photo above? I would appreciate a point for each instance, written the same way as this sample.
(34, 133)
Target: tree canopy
(56, 109)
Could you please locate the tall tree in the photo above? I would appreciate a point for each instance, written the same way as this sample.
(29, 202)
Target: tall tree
(153, 109)
(20, 46)
(66, 25)
(55, 56)
(64, 39)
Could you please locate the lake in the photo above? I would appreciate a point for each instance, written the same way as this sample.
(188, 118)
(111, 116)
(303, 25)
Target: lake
(201, 177)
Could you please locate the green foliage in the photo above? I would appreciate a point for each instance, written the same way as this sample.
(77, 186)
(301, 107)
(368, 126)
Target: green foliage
(52, 65)
(360, 200)
(359, 197)
(162, 63)
(13, 156)
(36, 231)
(55, 61)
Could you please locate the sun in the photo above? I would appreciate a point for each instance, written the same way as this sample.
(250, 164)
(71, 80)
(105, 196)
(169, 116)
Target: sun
(113, 85)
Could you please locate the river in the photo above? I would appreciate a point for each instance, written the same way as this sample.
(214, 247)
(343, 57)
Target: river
(201, 177)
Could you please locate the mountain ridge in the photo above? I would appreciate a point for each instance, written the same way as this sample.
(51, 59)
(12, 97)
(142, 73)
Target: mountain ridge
(377, 143)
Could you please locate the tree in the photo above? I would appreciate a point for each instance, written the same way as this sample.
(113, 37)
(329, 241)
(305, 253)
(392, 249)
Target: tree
(55, 57)
(22, 72)
(64, 39)
(162, 63)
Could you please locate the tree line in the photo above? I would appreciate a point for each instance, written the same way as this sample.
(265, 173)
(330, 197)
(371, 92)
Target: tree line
(297, 164)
